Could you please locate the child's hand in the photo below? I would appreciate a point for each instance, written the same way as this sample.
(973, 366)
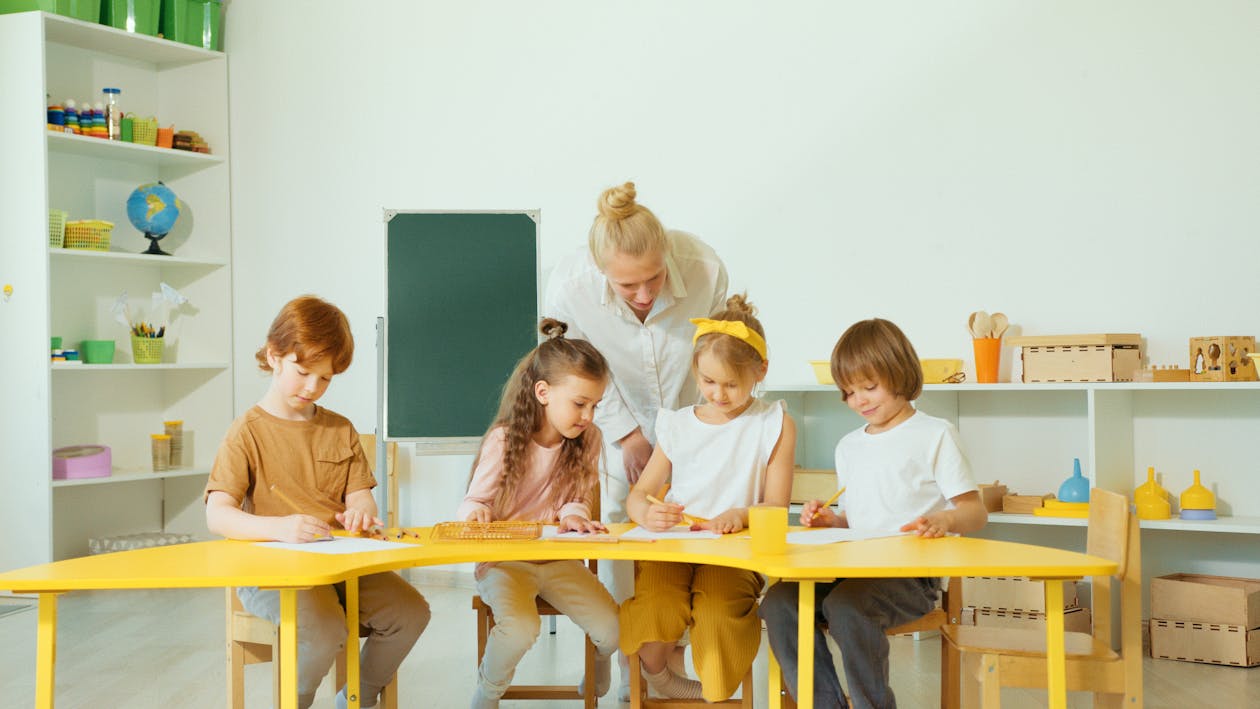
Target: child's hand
(929, 526)
(575, 523)
(813, 514)
(662, 516)
(728, 522)
(297, 529)
(481, 514)
(356, 520)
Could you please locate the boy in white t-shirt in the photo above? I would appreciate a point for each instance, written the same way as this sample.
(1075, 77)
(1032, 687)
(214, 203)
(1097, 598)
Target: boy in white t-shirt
(903, 471)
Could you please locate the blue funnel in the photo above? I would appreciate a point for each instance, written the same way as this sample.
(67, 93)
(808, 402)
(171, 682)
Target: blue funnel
(1075, 488)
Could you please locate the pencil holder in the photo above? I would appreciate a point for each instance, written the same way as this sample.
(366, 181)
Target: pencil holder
(175, 429)
(146, 350)
(57, 228)
(161, 444)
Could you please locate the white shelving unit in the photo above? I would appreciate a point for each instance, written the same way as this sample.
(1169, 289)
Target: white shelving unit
(1026, 435)
(68, 293)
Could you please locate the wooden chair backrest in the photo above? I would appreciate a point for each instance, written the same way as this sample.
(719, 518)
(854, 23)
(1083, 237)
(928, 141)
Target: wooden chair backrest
(1108, 534)
(1114, 534)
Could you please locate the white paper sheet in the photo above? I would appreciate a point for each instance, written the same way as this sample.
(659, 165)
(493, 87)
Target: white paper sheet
(832, 535)
(339, 545)
(675, 533)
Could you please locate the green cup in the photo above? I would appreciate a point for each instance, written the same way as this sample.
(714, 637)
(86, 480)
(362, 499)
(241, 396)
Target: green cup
(56, 343)
(127, 123)
(97, 351)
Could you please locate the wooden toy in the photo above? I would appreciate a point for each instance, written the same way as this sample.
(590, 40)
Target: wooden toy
(1222, 359)
(509, 530)
(1106, 357)
(1024, 504)
(1198, 502)
(1162, 373)
(1150, 499)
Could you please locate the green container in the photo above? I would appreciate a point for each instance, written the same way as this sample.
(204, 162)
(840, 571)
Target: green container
(194, 22)
(97, 351)
(86, 10)
(140, 16)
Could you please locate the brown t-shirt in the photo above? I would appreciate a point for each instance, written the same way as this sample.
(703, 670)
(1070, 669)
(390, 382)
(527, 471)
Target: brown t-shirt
(314, 463)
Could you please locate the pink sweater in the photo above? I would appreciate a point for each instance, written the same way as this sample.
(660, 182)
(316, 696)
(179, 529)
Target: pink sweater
(532, 492)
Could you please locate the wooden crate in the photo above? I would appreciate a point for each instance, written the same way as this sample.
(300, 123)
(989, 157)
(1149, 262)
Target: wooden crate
(812, 484)
(1107, 357)
(1222, 359)
(1024, 504)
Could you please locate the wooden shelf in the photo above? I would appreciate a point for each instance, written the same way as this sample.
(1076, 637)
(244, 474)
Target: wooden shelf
(122, 257)
(1065, 386)
(65, 367)
(131, 476)
(101, 38)
(70, 144)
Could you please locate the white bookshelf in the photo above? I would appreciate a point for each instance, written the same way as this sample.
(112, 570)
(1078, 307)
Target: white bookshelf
(68, 293)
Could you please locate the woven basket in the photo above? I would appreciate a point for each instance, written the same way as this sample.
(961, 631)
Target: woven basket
(91, 234)
(144, 130)
(57, 227)
(146, 350)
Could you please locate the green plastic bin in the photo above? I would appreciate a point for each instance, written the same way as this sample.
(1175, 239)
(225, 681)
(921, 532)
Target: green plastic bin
(194, 22)
(86, 10)
(140, 16)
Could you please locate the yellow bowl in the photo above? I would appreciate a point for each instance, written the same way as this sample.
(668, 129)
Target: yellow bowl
(939, 371)
(822, 370)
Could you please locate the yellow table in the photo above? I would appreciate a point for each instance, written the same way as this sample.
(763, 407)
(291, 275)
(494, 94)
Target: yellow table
(234, 563)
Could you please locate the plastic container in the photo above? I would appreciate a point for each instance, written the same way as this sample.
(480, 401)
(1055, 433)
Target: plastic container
(57, 228)
(90, 234)
(146, 350)
(166, 137)
(140, 16)
(86, 10)
(127, 124)
(1150, 499)
(144, 130)
(161, 445)
(113, 113)
(822, 370)
(1198, 502)
(988, 353)
(97, 351)
(194, 22)
(175, 429)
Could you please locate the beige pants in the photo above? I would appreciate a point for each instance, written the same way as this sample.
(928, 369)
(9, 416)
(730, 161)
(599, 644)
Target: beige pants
(718, 604)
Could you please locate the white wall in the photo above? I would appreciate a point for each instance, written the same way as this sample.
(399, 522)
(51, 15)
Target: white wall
(1081, 166)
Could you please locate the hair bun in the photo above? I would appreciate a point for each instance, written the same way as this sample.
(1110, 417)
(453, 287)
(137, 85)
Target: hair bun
(617, 203)
(552, 328)
(738, 303)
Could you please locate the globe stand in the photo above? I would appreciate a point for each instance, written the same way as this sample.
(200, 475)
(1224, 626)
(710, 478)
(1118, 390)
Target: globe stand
(153, 244)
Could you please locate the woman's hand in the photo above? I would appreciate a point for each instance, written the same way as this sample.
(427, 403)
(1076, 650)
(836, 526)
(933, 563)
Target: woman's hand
(728, 522)
(635, 452)
(577, 523)
(297, 529)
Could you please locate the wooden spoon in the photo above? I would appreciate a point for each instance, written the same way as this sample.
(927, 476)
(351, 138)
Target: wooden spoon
(999, 325)
(981, 324)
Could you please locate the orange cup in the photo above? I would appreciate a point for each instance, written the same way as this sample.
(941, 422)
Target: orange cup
(988, 352)
(165, 137)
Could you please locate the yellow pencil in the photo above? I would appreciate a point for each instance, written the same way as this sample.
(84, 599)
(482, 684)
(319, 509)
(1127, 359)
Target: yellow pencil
(292, 505)
(689, 519)
(831, 500)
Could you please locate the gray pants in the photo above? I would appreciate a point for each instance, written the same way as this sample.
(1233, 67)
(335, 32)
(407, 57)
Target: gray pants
(391, 609)
(857, 612)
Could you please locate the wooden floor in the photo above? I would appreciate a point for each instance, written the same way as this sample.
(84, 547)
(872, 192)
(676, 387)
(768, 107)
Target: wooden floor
(149, 649)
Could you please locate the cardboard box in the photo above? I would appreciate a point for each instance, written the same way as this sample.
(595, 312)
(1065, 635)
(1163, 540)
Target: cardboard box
(1108, 357)
(1024, 504)
(1206, 599)
(812, 484)
(1012, 594)
(1075, 620)
(1211, 643)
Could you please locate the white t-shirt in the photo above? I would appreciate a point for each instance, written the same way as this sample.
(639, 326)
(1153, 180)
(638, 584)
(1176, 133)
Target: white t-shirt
(895, 476)
(717, 467)
(650, 360)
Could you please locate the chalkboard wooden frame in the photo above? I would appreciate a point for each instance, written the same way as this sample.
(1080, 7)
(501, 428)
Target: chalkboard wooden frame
(461, 308)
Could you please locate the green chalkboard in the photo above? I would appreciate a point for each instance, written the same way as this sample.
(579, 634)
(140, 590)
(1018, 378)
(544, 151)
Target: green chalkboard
(461, 308)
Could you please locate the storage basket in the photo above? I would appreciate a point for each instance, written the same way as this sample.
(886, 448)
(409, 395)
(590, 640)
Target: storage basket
(146, 350)
(86, 10)
(56, 227)
(143, 130)
(91, 234)
(140, 16)
(194, 22)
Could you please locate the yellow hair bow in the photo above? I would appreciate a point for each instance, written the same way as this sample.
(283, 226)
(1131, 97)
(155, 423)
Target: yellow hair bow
(734, 328)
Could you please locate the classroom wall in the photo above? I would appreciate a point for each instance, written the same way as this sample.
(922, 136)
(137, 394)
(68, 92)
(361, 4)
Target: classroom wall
(1081, 166)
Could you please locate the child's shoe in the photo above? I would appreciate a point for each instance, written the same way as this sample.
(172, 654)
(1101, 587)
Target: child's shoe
(603, 677)
(670, 686)
(364, 702)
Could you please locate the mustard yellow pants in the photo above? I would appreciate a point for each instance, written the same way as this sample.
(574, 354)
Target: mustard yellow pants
(718, 604)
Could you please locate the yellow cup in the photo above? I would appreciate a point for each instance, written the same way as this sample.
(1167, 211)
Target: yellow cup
(768, 525)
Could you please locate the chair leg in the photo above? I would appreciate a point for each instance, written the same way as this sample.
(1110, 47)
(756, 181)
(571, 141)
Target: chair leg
(589, 699)
(746, 696)
(235, 676)
(951, 675)
(637, 691)
(389, 695)
(990, 682)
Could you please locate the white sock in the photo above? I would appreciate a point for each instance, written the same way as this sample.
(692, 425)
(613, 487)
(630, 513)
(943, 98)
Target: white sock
(671, 686)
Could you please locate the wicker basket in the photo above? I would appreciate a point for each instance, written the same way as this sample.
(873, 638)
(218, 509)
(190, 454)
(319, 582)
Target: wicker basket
(146, 350)
(57, 227)
(144, 130)
(91, 234)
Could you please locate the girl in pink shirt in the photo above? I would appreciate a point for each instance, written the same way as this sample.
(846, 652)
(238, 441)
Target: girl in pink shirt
(539, 461)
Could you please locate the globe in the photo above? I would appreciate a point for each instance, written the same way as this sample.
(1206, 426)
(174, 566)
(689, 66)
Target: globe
(153, 209)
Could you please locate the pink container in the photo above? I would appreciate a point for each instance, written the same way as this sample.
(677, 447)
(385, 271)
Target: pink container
(73, 462)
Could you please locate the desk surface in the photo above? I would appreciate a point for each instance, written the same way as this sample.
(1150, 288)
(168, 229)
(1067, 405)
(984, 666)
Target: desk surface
(236, 563)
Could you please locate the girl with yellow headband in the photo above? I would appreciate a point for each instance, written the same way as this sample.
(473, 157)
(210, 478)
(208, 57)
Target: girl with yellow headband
(718, 458)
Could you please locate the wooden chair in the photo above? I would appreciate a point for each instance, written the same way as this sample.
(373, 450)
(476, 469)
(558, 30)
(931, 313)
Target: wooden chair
(996, 657)
(485, 623)
(937, 619)
(639, 697)
(252, 639)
